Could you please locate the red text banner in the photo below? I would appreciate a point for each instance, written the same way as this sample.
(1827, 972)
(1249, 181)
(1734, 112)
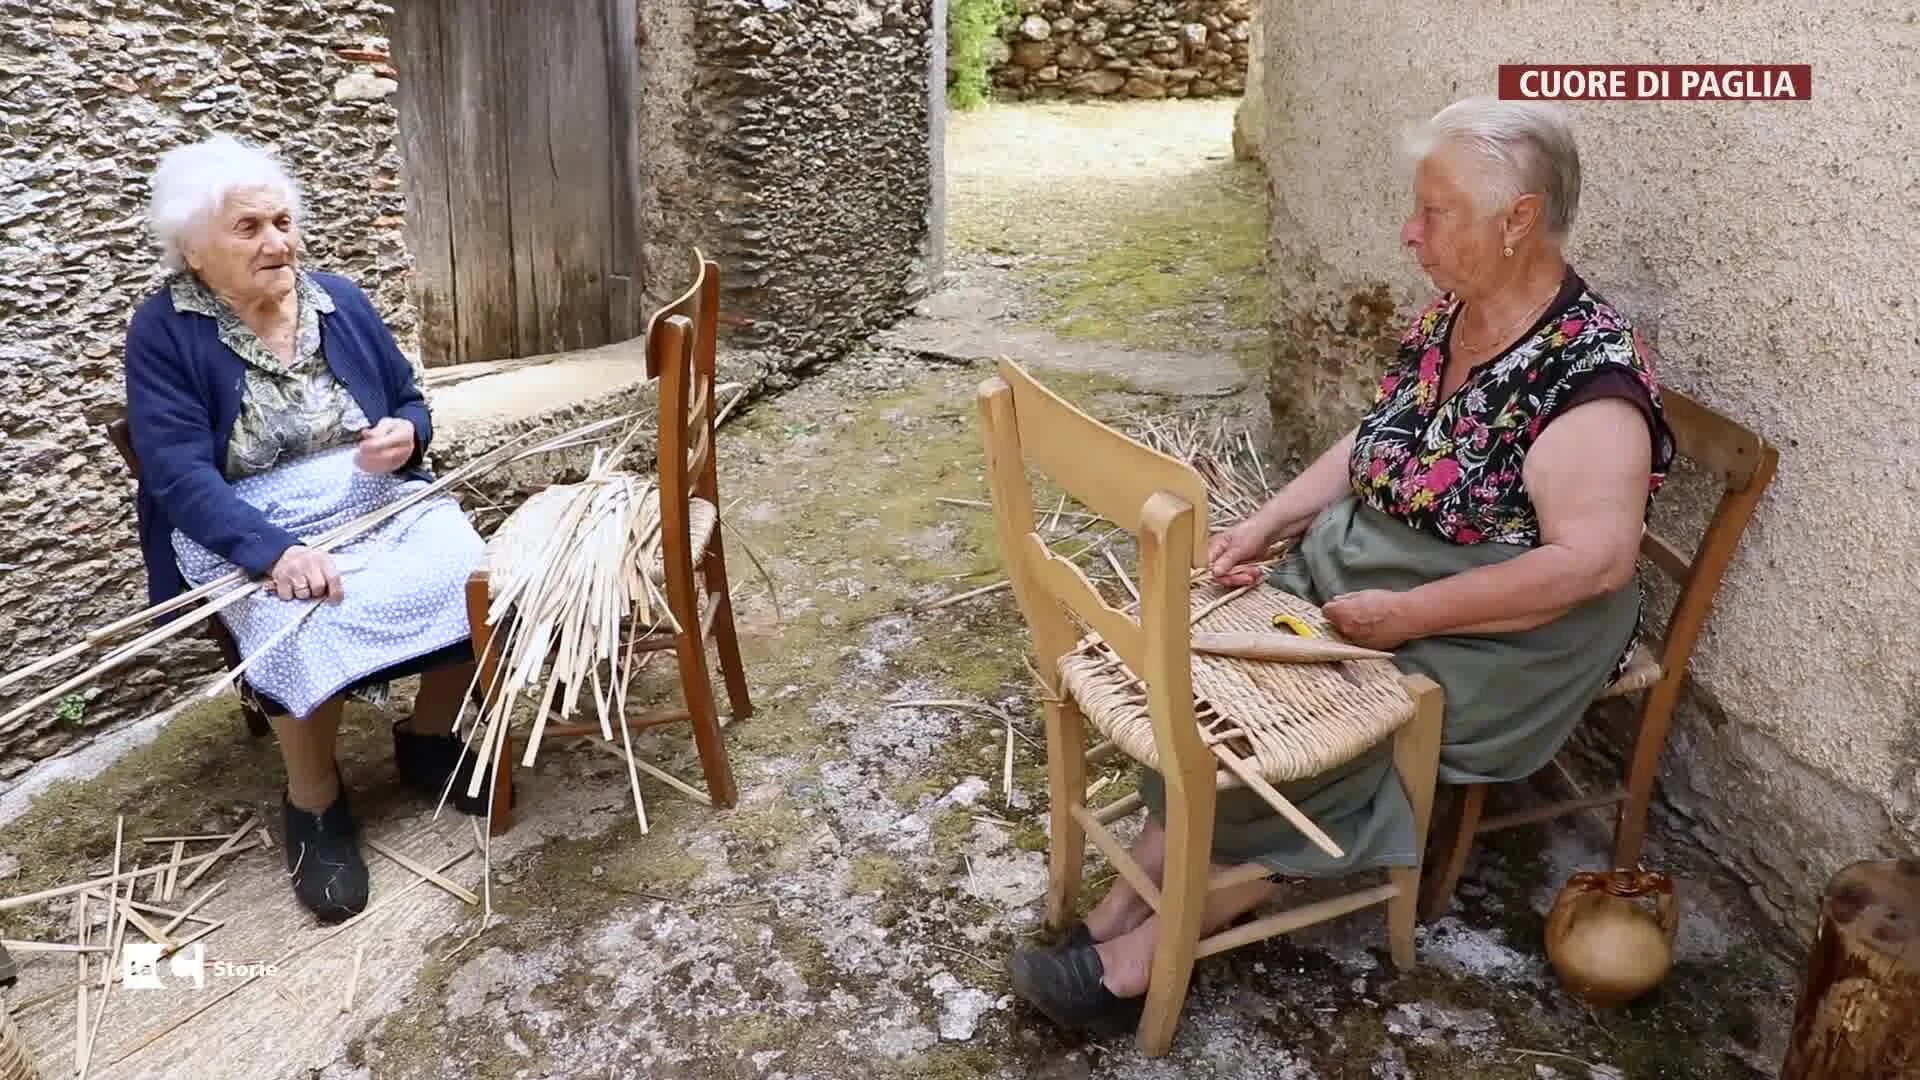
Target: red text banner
(1656, 82)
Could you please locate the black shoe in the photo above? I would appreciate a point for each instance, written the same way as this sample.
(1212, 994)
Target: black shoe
(328, 874)
(425, 762)
(1064, 983)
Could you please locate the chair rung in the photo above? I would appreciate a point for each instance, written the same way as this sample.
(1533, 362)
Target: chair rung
(1118, 808)
(1123, 863)
(1292, 919)
(1234, 876)
(651, 718)
(1548, 812)
(1102, 752)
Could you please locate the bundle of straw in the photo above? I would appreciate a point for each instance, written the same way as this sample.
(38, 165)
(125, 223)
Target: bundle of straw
(1224, 456)
(573, 589)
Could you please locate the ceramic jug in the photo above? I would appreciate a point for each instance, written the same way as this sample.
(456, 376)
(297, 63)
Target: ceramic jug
(1605, 941)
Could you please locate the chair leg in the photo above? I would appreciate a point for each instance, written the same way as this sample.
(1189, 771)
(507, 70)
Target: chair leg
(258, 726)
(1066, 786)
(1656, 718)
(501, 811)
(1448, 860)
(726, 638)
(1183, 902)
(1416, 760)
(696, 683)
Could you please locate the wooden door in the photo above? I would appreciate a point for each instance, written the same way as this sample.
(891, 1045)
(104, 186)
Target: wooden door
(518, 147)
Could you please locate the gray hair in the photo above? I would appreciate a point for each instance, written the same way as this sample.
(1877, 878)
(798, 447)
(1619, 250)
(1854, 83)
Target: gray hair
(1524, 146)
(192, 182)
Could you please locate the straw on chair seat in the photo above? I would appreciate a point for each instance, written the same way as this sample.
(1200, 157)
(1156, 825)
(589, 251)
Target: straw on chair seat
(1643, 670)
(1290, 721)
(525, 533)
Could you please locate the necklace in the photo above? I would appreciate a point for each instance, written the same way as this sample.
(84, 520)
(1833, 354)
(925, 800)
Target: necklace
(1478, 348)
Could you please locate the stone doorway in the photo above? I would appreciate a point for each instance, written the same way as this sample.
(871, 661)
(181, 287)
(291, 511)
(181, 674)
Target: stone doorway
(519, 142)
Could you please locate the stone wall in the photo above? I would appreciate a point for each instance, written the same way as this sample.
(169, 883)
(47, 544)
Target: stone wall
(91, 93)
(1080, 49)
(790, 142)
(1758, 247)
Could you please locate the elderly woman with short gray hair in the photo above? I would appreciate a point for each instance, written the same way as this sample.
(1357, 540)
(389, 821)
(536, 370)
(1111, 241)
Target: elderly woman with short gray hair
(268, 404)
(1482, 520)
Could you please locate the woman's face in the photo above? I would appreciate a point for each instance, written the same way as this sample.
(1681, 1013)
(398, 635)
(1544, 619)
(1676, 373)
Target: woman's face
(1458, 246)
(248, 250)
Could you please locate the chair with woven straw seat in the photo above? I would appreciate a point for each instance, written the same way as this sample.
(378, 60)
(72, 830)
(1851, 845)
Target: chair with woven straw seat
(1743, 463)
(690, 566)
(1136, 680)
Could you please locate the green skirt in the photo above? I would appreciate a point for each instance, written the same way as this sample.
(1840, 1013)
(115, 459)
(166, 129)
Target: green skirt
(1511, 699)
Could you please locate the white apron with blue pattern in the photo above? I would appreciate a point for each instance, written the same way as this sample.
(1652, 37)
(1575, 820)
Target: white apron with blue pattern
(403, 583)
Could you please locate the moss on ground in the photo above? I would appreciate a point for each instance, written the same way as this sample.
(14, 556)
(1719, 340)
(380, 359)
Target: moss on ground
(1185, 277)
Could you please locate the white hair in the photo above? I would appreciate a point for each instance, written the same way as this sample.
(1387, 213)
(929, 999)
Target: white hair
(1523, 147)
(192, 182)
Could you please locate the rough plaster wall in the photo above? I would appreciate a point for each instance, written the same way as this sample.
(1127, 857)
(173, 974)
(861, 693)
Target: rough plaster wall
(90, 95)
(1080, 49)
(794, 150)
(1769, 252)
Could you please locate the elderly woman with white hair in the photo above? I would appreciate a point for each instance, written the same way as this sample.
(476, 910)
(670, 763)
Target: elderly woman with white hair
(268, 404)
(1482, 520)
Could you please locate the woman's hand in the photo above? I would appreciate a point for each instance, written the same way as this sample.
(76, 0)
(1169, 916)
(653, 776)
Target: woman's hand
(386, 446)
(1229, 553)
(305, 574)
(1371, 618)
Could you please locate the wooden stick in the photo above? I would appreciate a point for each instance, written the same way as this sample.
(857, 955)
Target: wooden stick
(661, 775)
(424, 871)
(1006, 777)
(1281, 648)
(187, 912)
(1220, 602)
(195, 839)
(117, 933)
(173, 869)
(26, 947)
(377, 906)
(353, 978)
(1279, 802)
(83, 931)
(140, 922)
(23, 900)
(214, 856)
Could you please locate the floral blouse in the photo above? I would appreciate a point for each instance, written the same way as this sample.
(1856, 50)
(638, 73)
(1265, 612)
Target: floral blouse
(286, 410)
(1453, 468)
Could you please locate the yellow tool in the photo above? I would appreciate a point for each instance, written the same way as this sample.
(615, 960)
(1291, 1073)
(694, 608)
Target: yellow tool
(1301, 627)
(1295, 624)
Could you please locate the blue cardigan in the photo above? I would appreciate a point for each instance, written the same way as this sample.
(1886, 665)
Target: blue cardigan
(183, 395)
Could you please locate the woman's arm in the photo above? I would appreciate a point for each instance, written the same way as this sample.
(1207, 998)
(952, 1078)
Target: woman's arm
(1587, 476)
(173, 436)
(396, 374)
(1294, 506)
(1231, 554)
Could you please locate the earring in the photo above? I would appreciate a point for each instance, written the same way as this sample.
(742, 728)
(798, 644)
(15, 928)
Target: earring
(1508, 252)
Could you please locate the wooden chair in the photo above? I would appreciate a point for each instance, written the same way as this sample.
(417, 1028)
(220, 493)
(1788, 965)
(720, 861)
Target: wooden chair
(680, 349)
(122, 439)
(1163, 503)
(1744, 464)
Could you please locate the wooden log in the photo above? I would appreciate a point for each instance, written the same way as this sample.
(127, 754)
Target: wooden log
(1284, 648)
(1861, 996)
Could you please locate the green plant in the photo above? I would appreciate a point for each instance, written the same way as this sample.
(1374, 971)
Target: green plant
(71, 709)
(973, 31)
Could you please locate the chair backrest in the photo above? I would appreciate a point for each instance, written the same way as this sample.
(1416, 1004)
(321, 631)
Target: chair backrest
(121, 436)
(1744, 464)
(1161, 501)
(681, 351)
